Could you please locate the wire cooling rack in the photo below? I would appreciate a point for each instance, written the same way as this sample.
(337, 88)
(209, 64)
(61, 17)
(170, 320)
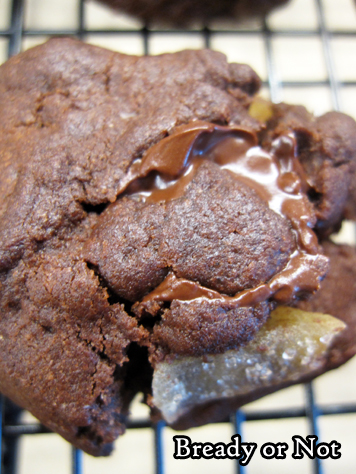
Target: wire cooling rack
(338, 87)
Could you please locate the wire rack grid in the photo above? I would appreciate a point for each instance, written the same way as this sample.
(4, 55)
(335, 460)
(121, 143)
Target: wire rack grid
(13, 36)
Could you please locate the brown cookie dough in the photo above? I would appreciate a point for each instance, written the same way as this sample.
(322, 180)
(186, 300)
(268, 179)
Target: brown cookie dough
(337, 296)
(63, 348)
(206, 327)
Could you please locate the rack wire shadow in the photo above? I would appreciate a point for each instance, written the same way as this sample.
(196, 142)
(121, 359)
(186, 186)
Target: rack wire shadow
(11, 427)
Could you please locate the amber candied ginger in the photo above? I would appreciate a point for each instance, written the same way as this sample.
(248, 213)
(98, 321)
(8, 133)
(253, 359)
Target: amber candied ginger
(290, 345)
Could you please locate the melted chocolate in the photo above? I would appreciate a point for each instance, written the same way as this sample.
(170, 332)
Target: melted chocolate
(276, 176)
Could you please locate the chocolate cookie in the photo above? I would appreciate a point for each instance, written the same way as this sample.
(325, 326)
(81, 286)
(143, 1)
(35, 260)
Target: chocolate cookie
(145, 217)
(185, 12)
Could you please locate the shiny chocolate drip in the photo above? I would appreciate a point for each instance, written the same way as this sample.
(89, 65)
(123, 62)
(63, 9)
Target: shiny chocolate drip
(276, 176)
(168, 167)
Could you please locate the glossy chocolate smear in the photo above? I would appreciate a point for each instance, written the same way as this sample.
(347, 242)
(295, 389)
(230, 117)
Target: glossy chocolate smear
(276, 176)
(169, 166)
(220, 233)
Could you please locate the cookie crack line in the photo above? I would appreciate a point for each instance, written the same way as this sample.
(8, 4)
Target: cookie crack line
(112, 297)
(107, 74)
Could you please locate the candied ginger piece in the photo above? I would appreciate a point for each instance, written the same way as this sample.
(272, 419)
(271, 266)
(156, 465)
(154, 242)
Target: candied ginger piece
(292, 344)
(261, 109)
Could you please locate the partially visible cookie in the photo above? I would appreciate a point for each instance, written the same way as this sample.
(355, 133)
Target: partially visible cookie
(185, 12)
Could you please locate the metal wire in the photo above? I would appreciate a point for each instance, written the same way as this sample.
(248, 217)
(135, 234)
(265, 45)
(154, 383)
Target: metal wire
(273, 82)
(17, 11)
(328, 56)
(312, 415)
(77, 461)
(238, 420)
(10, 428)
(159, 448)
